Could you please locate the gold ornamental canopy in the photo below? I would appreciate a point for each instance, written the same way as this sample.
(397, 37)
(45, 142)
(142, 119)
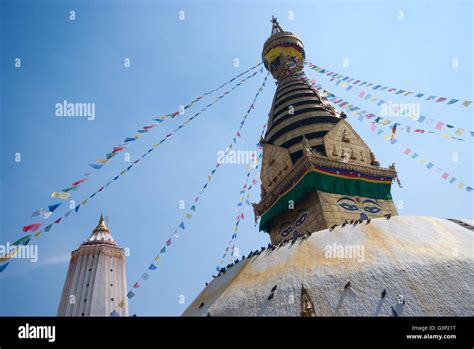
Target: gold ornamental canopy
(283, 52)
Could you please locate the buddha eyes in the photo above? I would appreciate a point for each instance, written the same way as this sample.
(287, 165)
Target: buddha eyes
(302, 215)
(349, 207)
(286, 230)
(372, 209)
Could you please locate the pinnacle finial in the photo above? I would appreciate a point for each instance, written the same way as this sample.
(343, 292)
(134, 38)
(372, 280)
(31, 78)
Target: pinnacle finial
(101, 226)
(275, 25)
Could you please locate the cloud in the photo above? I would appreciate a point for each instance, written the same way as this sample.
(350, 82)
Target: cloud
(44, 262)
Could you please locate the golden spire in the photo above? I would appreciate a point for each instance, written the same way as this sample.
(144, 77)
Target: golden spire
(101, 225)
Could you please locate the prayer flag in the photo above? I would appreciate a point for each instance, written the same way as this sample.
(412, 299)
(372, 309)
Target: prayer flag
(80, 181)
(31, 227)
(3, 267)
(54, 207)
(60, 195)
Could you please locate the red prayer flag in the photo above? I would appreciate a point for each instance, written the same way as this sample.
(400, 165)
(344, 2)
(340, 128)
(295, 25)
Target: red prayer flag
(58, 220)
(148, 127)
(116, 149)
(168, 243)
(137, 285)
(31, 227)
(79, 182)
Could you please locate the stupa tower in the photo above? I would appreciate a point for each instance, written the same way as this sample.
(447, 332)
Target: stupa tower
(316, 170)
(96, 281)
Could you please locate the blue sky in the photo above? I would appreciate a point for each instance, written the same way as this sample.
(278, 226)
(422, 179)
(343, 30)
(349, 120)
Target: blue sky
(172, 62)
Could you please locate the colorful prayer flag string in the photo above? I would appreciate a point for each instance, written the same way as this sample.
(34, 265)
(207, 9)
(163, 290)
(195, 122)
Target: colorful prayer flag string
(65, 194)
(353, 108)
(192, 210)
(379, 87)
(184, 123)
(389, 137)
(248, 185)
(395, 107)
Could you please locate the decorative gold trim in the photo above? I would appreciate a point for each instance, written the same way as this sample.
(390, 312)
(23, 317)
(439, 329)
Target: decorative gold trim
(303, 164)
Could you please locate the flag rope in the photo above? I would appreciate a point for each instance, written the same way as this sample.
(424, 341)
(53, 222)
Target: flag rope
(66, 193)
(393, 141)
(422, 119)
(246, 189)
(34, 227)
(181, 226)
(379, 87)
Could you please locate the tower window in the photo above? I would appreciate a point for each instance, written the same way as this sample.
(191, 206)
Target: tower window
(87, 285)
(90, 269)
(111, 270)
(111, 299)
(82, 314)
(111, 285)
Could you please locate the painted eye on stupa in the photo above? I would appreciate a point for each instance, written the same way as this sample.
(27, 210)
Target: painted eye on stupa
(301, 217)
(347, 203)
(374, 208)
(349, 207)
(286, 229)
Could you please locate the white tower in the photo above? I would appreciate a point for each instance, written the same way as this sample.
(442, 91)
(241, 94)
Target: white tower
(95, 283)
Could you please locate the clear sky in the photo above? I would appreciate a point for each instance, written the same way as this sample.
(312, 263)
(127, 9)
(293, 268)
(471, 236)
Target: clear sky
(172, 62)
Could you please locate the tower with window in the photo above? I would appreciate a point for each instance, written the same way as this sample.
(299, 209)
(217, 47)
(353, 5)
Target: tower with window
(96, 283)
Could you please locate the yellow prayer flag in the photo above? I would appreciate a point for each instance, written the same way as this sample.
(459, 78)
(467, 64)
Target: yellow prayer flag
(386, 137)
(156, 145)
(461, 185)
(60, 195)
(189, 216)
(157, 258)
(84, 201)
(138, 135)
(445, 135)
(103, 161)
